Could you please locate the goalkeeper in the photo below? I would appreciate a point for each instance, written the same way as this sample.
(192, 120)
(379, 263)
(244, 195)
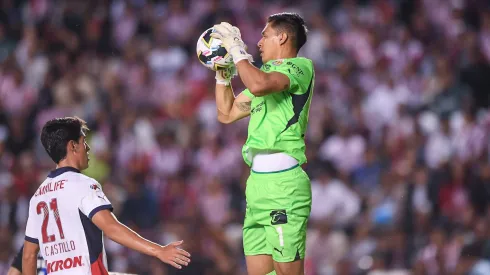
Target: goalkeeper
(277, 99)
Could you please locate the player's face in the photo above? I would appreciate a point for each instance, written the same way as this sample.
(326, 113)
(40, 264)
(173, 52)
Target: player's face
(83, 153)
(269, 44)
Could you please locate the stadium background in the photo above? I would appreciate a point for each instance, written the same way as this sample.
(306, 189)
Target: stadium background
(398, 141)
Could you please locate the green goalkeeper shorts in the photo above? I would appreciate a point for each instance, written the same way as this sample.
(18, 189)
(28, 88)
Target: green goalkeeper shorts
(278, 207)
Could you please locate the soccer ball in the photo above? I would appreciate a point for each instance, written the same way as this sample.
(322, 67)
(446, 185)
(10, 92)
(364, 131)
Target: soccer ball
(210, 52)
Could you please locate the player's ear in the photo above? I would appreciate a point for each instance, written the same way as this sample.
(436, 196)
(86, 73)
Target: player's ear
(283, 37)
(72, 146)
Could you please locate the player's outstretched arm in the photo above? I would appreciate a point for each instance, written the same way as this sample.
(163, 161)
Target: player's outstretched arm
(29, 258)
(116, 231)
(231, 109)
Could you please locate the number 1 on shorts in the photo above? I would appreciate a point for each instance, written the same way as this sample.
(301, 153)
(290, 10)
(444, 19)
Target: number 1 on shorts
(281, 239)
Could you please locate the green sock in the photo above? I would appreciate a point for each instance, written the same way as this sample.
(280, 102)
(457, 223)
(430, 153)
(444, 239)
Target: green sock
(271, 273)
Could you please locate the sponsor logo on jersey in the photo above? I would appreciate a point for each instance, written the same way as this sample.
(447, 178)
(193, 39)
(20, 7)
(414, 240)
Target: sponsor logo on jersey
(295, 69)
(65, 264)
(277, 62)
(267, 67)
(98, 191)
(50, 187)
(257, 108)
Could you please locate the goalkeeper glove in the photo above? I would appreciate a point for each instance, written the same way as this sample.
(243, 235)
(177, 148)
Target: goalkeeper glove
(232, 41)
(224, 76)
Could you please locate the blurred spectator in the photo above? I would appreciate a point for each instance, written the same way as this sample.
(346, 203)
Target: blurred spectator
(439, 148)
(333, 200)
(344, 149)
(139, 200)
(471, 262)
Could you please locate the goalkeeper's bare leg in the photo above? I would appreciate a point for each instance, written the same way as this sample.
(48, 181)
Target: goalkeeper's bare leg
(264, 265)
(259, 264)
(291, 268)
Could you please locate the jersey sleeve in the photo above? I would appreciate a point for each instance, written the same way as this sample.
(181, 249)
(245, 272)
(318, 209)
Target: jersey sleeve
(94, 201)
(31, 230)
(299, 72)
(248, 93)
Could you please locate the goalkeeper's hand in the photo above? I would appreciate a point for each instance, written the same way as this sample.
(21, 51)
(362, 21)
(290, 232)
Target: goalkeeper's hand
(224, 76)
(232, 41)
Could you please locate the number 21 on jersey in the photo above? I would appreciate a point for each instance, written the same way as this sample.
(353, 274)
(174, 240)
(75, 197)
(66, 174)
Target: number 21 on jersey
(42, 208)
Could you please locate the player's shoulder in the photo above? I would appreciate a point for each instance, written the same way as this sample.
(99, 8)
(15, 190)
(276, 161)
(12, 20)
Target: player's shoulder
(76, 178)
(299, 66)
(299, 60)
(84, 185)
(294, 61)
(75, 183)
(87, 181)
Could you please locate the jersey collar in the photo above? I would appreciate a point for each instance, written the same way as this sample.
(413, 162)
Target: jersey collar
(62, 170)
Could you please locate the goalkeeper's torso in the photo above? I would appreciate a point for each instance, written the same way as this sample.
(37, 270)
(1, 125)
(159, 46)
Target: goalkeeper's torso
(278, 121)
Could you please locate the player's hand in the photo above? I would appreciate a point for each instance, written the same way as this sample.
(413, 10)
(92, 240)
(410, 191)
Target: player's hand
(231, 39)
(173, 255)
(224, 76)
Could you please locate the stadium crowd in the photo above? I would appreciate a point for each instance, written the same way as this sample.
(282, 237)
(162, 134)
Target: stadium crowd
(398, 140)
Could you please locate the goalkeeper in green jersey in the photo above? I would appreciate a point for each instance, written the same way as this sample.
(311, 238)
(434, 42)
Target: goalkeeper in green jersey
(277, 99)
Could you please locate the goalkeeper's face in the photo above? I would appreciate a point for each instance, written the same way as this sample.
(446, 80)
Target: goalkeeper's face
(270, 44)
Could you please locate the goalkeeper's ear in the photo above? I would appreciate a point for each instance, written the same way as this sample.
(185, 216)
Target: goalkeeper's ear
(283, 38)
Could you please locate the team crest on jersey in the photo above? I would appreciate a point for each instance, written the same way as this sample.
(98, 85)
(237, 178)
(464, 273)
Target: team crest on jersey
(279, 217)
(277, 62)
(94, 187)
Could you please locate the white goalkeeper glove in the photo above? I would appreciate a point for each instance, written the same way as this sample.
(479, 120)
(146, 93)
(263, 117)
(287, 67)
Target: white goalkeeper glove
(232, 41)
(224, 76)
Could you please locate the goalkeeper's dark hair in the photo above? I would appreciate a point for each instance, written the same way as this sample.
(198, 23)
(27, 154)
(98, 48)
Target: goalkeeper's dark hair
(57, 132)
(291, 23)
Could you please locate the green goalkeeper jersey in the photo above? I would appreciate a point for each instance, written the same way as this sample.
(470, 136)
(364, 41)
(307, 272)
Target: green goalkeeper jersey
(278, 121)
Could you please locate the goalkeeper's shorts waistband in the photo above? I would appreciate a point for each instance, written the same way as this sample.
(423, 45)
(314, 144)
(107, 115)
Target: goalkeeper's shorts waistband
(273, 162)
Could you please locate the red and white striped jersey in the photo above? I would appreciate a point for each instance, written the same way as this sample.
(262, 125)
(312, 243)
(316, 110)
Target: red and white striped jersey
(60, 221)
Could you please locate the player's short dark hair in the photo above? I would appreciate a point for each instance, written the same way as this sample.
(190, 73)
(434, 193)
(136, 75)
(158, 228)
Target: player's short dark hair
(57, 132)
(291, 23)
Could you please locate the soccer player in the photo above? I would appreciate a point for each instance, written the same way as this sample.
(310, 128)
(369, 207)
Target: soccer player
(277, 99)
(69, 212)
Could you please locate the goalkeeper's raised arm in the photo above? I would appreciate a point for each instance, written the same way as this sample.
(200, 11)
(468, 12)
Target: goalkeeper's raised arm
(275, 44)
(230, 109)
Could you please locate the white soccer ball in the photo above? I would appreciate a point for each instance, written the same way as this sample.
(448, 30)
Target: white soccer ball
(210, 52)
